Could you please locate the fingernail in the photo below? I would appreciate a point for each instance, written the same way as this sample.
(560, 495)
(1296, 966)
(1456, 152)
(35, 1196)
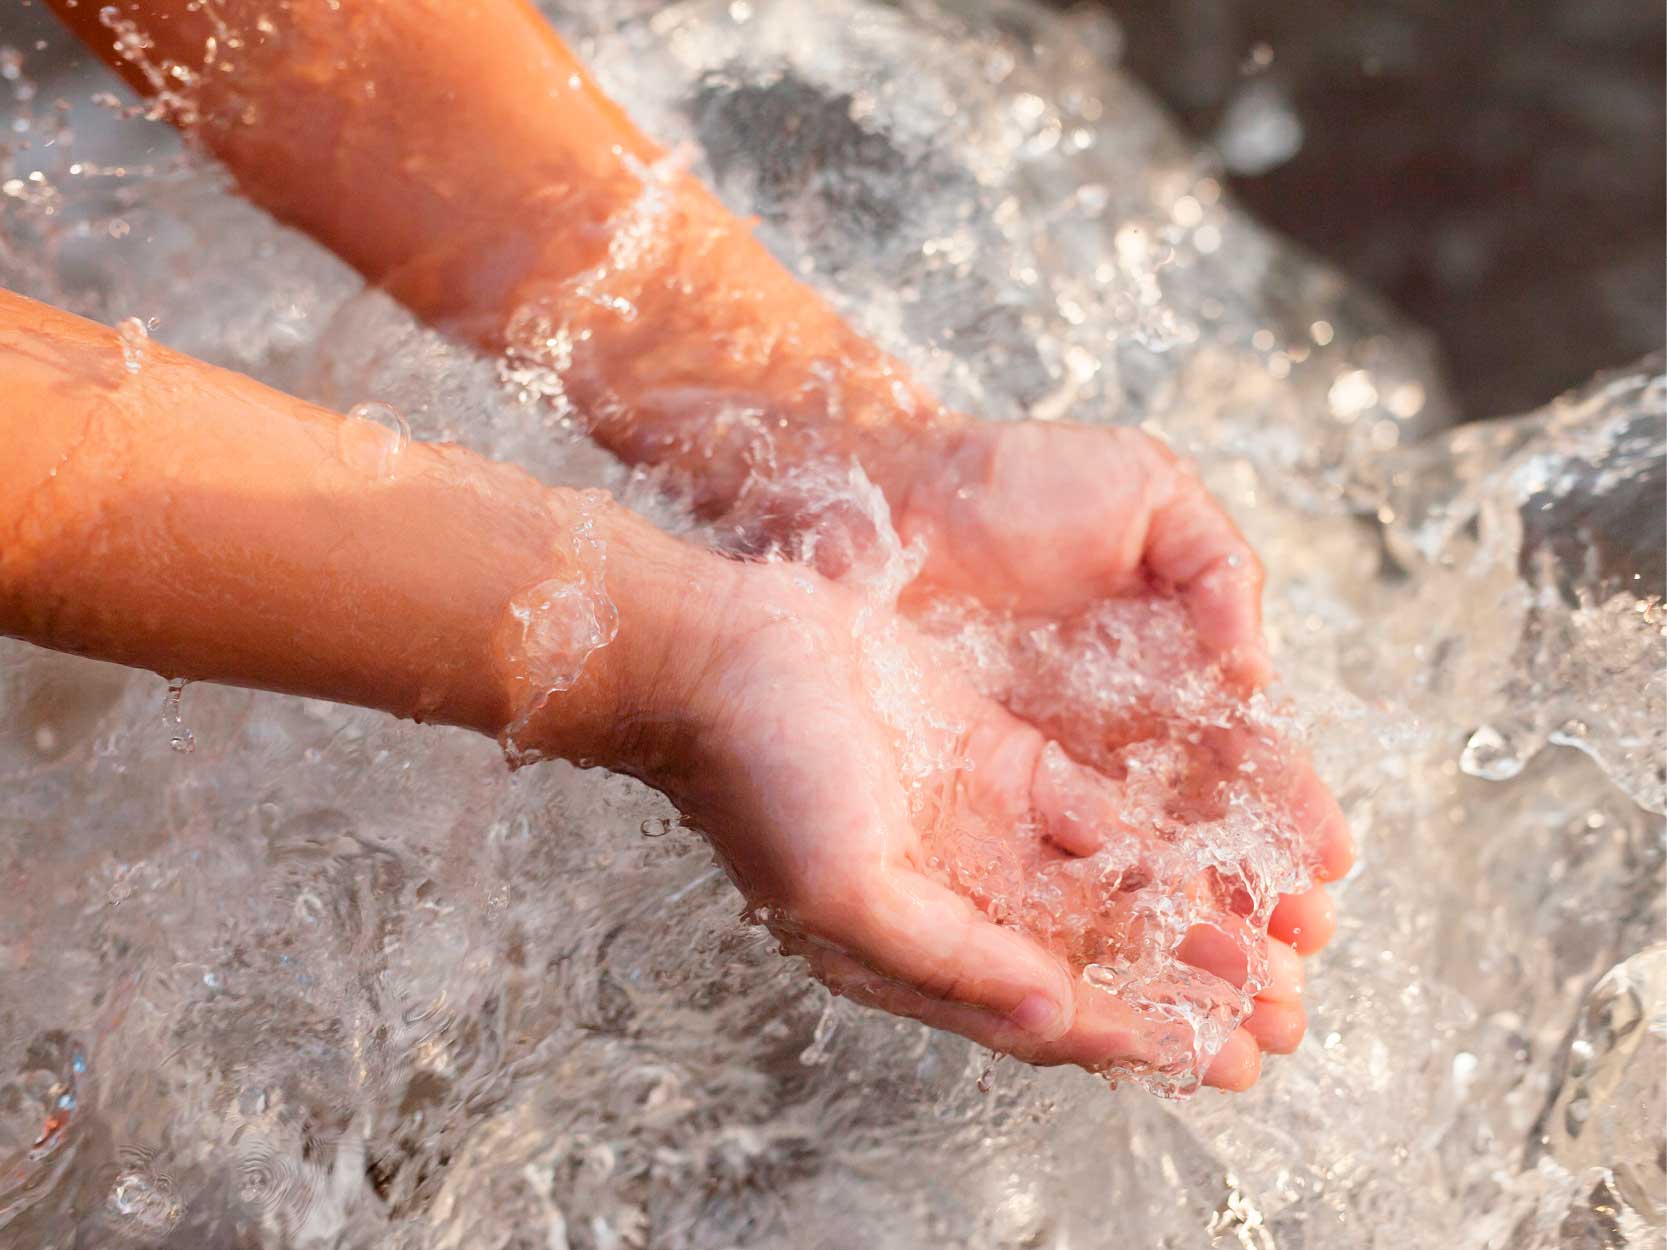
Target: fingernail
(1039, 1016)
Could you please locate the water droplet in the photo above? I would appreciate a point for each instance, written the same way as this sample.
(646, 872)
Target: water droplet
(180, 738)
(1464, 1071)
(397, 437)
(656, 827)
(1491, 756)
(385, 415)
(135, 339)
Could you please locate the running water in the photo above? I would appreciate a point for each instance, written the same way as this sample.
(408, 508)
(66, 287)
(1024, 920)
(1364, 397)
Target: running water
(336, 980)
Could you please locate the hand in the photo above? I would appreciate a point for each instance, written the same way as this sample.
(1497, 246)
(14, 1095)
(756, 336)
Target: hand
(1044, 521)
(1048, 519)
(881, 816)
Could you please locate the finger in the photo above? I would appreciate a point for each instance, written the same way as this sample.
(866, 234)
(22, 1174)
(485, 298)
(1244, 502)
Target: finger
(1277, 1027)
(1237, 1064)
(913, 930)
(1231, 949)
(1223, 948)
(1105, 1032)
(1193, 546)
(1306, 921)
(1324, 828)
(1291, 782)
(1016, 774)
(1079, 808)
(1287, 979)
(1207, 947)
(1108, 1031)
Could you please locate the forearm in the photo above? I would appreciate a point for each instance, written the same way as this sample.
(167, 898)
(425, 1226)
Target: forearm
(459, 155)
(158, 512)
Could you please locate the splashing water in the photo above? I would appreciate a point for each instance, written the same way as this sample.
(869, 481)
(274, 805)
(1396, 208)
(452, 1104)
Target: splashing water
(348, 982)
(561, 622)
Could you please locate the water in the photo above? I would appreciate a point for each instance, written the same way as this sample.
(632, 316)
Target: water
(334, 980)
(134, 336)
(381, 453)
(561, 622)
(180, 737)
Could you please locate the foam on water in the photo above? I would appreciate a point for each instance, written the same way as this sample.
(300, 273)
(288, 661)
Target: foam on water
(335, 980)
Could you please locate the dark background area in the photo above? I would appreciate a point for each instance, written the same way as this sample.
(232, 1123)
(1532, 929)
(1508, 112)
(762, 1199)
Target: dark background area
(1495, 168)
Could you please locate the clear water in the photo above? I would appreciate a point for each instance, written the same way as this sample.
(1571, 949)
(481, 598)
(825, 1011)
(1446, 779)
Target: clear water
(332, 980)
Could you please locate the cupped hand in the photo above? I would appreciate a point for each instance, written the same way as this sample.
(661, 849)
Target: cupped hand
(1044, 521)
(887, 821)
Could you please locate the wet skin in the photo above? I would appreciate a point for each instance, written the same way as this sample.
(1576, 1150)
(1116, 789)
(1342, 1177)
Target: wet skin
(186, 519)
(499, 226)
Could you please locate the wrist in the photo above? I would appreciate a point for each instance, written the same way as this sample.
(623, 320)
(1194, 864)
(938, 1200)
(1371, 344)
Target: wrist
(632, 696)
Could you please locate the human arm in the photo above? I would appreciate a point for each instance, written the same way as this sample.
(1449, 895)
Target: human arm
(460, 156)
(159, 512)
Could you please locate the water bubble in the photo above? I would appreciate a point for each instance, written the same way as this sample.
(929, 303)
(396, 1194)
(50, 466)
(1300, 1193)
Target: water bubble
(1259, 130)
(1352, 394)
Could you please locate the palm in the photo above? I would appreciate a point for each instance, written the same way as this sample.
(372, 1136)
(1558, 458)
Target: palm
(882, 817)
(1056, 529)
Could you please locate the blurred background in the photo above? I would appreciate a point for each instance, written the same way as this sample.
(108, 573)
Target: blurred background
(1494, 167)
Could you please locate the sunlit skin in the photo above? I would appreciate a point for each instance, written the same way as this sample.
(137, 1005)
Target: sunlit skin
(493, 219)
(133, 529)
